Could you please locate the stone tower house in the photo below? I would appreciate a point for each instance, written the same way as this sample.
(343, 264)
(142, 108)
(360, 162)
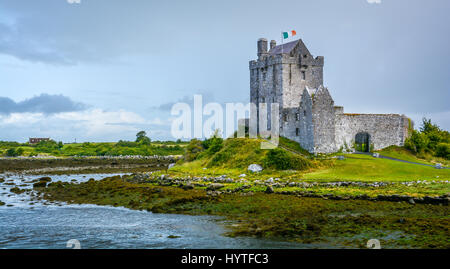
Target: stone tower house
(289, 75)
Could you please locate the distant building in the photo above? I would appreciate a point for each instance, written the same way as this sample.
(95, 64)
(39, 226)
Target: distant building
(37, 140)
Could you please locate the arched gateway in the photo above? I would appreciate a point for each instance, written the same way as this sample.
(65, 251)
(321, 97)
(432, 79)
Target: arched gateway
(362, 142)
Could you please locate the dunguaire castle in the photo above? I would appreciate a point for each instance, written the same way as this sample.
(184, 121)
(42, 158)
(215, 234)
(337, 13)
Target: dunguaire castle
(289, 75)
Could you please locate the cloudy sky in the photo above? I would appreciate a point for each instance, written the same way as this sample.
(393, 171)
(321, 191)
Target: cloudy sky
(101, 70)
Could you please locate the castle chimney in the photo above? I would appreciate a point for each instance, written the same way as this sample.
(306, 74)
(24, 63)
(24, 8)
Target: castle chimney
(273, 44)
(262, 47)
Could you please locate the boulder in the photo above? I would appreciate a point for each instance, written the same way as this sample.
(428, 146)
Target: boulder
(438, 166)
(214, 186)
(376, 155)
(269, 189)
(171, 165)
(255, 168)
(340, 157)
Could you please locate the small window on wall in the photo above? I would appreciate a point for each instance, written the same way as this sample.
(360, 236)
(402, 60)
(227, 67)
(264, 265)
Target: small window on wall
(304, 113)
(297, 131)
(285, 116)
(263, 100)
(303, 75)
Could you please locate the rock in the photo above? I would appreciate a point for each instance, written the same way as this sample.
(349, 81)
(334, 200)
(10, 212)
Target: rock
(188, 186)
(438, 166)
(270, 180)
(45, 179)
(269, 189)
(411, 201)
(17, 190)
(255, 168)
(171, 165)
(214, 186)
(41, 184)
(340, 157)
(376, 155)
(242, 175)
(173, 236)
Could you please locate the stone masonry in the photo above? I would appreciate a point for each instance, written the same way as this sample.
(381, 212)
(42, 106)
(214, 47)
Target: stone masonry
(289, 75)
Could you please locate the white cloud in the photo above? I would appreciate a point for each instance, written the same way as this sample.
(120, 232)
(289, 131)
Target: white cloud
(374, 1)
(88, 125)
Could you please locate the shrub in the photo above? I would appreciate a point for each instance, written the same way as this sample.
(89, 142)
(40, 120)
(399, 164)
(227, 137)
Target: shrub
(193, 149)
(283, 160)
(213, 145)
(278, 158)
(443, 150)
(417, 142)
(11, 152)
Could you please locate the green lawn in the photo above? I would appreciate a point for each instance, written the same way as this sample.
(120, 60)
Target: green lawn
(404, 154)
(367, 168)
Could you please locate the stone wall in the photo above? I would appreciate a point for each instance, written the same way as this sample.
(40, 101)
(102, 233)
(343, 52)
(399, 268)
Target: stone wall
(296, 123)
(384, 129)
(323, 119)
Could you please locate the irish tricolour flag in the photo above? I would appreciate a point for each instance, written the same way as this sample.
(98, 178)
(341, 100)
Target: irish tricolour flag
(289, 34)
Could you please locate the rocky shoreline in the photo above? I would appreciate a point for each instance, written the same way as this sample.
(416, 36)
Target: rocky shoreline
(82, 164)
(215, 186)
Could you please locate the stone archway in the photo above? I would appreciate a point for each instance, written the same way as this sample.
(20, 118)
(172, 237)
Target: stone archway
(362, 142)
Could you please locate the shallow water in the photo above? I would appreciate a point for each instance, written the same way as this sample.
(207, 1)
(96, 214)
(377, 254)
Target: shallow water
(42, 225)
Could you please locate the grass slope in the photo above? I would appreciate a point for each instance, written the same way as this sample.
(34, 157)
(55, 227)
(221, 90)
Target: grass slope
(404, 154)
(367, 168)
(234, 158)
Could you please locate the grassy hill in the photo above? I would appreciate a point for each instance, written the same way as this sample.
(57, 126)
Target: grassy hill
(237, 154)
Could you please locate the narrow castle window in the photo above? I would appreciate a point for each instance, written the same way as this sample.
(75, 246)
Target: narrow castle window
(304, 113)
(297, 131)
(285, 116)
(290, 74)
(263, 100)
(303, 75)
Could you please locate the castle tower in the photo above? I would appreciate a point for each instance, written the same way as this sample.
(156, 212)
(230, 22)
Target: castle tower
(280, 75)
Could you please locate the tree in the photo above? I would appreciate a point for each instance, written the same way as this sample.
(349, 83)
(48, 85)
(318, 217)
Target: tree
(11, 152)
(142, 138)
